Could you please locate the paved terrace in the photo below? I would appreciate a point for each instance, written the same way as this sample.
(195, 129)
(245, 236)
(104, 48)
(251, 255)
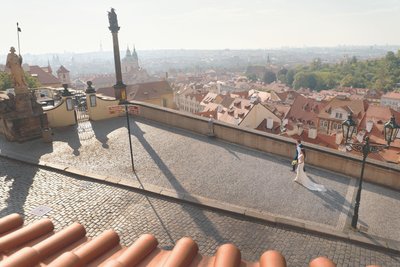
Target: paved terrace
(100, 206)
(190, 166)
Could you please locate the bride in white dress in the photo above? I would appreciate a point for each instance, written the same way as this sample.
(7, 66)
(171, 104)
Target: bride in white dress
(302, 178)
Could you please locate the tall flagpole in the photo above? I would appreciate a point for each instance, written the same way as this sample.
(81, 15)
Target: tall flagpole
(18, 30)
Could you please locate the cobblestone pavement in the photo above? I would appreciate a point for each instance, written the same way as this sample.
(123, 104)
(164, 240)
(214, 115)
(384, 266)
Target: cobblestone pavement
(190, 163)
(99, 207)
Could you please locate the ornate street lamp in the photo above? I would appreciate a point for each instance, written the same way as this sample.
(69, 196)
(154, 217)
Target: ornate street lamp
(391, 130)
(349, 127)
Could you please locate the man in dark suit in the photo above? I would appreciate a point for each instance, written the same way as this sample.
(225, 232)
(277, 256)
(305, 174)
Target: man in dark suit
(299, 146)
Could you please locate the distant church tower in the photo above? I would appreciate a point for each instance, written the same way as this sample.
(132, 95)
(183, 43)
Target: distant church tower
(63, 75)
(130, 62)
(268, 60)
(49, 67)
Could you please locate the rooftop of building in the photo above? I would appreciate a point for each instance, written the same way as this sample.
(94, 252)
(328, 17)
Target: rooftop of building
(62, 69)
(392, 95)
(191, 167)
(44, 78)
(141, 91)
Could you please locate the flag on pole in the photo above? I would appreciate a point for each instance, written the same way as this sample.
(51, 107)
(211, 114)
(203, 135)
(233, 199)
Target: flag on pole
(18, 28)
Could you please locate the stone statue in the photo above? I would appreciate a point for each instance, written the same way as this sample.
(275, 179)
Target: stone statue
(112, 18)
(14, 64)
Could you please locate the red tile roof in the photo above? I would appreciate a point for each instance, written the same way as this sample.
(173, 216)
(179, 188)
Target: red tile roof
(305, 110)
(198, 96)
(379, 113)
(358, 107)
(287, 96)
(43, 77)
(226, 101)
(141, 91)
(241, 94)
(103, 79)
(236, 112)
(278, 110)
(393, 95)
(38, 244)
(321, 139)
(149, 90)
(207, 114)
(263, 127)
(62, 69)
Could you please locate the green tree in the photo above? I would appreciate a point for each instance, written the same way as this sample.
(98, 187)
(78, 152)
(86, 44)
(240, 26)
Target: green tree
(32, 82)
(353, 60)
(290, 77)
(252, 77)
(269, 76)
(316, 64)
(347, 81)
(282, 71)
(380, 74)
(305, 80)
(5, 81)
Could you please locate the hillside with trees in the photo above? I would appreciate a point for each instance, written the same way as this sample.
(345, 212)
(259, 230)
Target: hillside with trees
(381, 74)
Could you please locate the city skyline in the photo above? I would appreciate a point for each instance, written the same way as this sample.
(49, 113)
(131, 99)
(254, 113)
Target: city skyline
(83, 26)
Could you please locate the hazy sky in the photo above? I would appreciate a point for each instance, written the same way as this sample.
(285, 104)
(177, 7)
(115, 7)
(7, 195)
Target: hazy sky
(80, 26)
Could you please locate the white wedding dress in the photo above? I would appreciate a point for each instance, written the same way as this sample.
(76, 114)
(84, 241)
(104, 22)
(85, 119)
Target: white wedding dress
(302, 178)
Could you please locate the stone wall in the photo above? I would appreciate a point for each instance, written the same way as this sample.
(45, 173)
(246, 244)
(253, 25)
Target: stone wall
(97, 107)
(386, 174)
(60, 116)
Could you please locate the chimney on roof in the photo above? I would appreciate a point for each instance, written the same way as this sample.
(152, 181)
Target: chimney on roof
(369, 125)
(339, 138)
(300, 128)
(269, 123)
(312, 133)
(237, 120)
(360, 136)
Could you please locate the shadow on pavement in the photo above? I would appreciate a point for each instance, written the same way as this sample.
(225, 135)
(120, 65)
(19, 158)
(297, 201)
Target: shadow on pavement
(333, 200)
(20, 181)
(209, 230)
(76, 135)
(234, 148)
(103, 128)
(70, 136)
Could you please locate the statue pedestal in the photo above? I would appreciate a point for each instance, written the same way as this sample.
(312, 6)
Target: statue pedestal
(26, 121)
(21, 129)
(22, 118)
(23, 104)
(29, 127)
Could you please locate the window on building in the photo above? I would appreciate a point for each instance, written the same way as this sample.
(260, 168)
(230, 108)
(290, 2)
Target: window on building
(338, 115)
(325, 124)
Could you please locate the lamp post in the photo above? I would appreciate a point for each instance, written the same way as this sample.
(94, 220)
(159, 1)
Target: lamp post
(119, 87)
(391, 130)
(365, 147)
